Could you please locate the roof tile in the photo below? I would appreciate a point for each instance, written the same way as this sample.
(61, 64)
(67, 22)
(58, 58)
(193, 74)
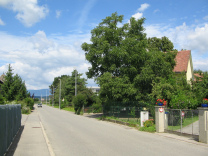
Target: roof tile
(182, 59)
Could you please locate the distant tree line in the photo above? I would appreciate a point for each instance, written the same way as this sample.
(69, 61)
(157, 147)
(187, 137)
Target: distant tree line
(68, 91)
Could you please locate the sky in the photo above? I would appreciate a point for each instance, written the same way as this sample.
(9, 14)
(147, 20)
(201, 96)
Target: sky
(41, 39)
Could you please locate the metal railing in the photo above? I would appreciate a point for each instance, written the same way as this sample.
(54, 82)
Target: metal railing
(10, 122)
(182, 121)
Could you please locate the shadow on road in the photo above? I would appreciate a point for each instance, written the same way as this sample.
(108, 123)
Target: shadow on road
(93, 115)
(15, 142)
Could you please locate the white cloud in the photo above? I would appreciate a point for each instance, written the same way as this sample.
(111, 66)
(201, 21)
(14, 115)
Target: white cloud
(193, 38)
(28, 11)
(206, 18)
(157, 10)
(41, 43)
(85, 12)
(139, 13)
(143, 7)
(39, 58)
(198, 39)
(200, 63)
(58, 13)
(1, 22)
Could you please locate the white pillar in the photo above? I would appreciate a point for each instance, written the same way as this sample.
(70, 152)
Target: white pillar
(203, 124)
(144, 115)
(159, 118)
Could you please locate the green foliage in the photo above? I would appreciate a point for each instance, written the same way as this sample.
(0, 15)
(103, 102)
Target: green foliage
(68, 89)
(70, 108)
(36, 99)
(124, 61)
(132, 113)
(157, 44)
(151, 129)
(183, 100)
(25, 110)
(79, 101)
(97, 108)
(116, 88)
(177, 91)
(148, 123)
(200, 87)
(2, 99)
(29, 102)
(13, 87)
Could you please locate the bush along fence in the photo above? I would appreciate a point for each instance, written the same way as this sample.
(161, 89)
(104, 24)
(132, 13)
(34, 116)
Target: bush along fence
(131, 112)
(10, 123)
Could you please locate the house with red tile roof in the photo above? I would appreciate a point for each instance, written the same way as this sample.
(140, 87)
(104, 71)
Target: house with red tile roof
(2, 78)
(198, 76)
(184, 64)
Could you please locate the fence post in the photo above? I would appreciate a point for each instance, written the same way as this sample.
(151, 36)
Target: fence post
(6, 135)
(160, 118)
(181, 120)
(203, 124)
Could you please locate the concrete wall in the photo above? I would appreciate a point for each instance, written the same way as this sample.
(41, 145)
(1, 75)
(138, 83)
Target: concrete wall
(203, 124)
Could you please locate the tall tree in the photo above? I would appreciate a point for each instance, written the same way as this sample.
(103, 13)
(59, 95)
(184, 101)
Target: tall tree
(13, 87)
(125, 53)
(114, 49)
(6, 87)
(162, 44)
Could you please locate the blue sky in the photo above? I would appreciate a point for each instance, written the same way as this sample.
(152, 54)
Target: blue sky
(41, 39)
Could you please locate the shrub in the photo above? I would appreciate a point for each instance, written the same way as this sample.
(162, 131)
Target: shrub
(97, 108)
(183, 100)
(29, 102)
(25, 110)
(149, 123)
(78, 102)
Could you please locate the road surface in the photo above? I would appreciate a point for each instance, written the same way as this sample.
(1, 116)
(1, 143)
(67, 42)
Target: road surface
(73, 135)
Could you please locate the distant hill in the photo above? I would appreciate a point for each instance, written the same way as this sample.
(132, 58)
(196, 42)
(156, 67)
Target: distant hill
(39, 92)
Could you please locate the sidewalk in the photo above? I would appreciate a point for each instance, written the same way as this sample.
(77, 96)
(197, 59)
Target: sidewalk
(30, 140)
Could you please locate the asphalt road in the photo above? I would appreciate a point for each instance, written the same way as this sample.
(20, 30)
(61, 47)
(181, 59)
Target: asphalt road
(73, 135)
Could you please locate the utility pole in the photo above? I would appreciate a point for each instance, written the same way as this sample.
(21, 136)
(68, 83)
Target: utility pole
(60, 95)
(46, 97)
(75, 82)
(53, 97)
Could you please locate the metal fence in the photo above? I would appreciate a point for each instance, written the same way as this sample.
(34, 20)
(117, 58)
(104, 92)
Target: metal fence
(182, 121)
(10, 122)
(125, 114)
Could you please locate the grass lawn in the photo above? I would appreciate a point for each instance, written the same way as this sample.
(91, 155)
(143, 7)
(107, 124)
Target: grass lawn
(71, 109)
(186, 122)
(134, 121)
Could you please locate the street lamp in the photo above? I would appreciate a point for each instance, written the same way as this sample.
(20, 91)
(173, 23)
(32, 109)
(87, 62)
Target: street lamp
(60, 95)
(53, 96)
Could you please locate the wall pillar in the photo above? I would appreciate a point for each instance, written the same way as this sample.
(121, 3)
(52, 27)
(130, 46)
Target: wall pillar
(160, 118)
(203, 124)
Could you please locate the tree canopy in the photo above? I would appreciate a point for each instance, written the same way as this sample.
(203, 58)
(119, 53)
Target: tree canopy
(68, 88)
(13, 87)
(126, 62)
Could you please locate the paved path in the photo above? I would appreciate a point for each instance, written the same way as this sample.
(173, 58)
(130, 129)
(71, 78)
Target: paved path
(30, 141)
(191, 128)
(69, 134)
